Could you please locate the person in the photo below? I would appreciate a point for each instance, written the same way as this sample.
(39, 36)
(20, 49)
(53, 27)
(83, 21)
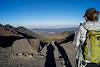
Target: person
(91, 23)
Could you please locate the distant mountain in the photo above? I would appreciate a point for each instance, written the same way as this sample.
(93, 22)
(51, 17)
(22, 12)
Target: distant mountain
(57, 34)
(4, 31)
(55, 30)
(1, 25)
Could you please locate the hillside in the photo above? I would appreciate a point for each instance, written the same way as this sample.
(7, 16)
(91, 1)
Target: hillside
(14, 38)
(21, 47)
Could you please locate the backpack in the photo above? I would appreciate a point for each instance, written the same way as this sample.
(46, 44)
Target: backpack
(91, 46)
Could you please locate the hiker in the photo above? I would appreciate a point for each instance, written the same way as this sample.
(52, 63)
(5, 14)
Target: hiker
(87, 40)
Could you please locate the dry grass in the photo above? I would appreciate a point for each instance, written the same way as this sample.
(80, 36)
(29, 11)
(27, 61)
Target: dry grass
(55, 37)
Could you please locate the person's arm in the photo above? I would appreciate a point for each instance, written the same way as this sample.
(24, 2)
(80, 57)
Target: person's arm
(77, 38)
(80, 36)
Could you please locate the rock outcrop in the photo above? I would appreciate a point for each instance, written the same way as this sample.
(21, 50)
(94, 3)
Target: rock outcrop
(18, 39)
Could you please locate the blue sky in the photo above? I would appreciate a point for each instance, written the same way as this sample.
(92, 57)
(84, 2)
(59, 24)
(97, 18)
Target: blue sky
(44, 12)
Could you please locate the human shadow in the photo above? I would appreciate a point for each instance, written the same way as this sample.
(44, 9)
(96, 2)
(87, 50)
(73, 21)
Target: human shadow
(63, 54)
(7, 41)
(41, 46)
(50, 60)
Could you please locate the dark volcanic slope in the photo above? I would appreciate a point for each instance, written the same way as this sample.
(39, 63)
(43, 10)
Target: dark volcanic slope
(10, 34)
(5, 32)
(28, 32)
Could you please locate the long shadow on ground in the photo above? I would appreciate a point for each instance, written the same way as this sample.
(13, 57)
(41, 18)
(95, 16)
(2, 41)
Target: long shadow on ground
(64, 55)
(50, 60)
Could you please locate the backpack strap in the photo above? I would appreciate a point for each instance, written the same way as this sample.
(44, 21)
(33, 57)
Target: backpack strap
(83, 26)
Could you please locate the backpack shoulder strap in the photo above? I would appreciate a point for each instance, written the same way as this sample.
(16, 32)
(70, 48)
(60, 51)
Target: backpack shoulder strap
(83, 26)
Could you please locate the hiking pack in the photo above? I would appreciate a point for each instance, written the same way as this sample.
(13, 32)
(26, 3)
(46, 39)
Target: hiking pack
(91, 47)
(90, 50)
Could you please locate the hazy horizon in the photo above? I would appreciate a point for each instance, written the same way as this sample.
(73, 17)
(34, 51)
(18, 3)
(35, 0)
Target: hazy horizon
(50, 26)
